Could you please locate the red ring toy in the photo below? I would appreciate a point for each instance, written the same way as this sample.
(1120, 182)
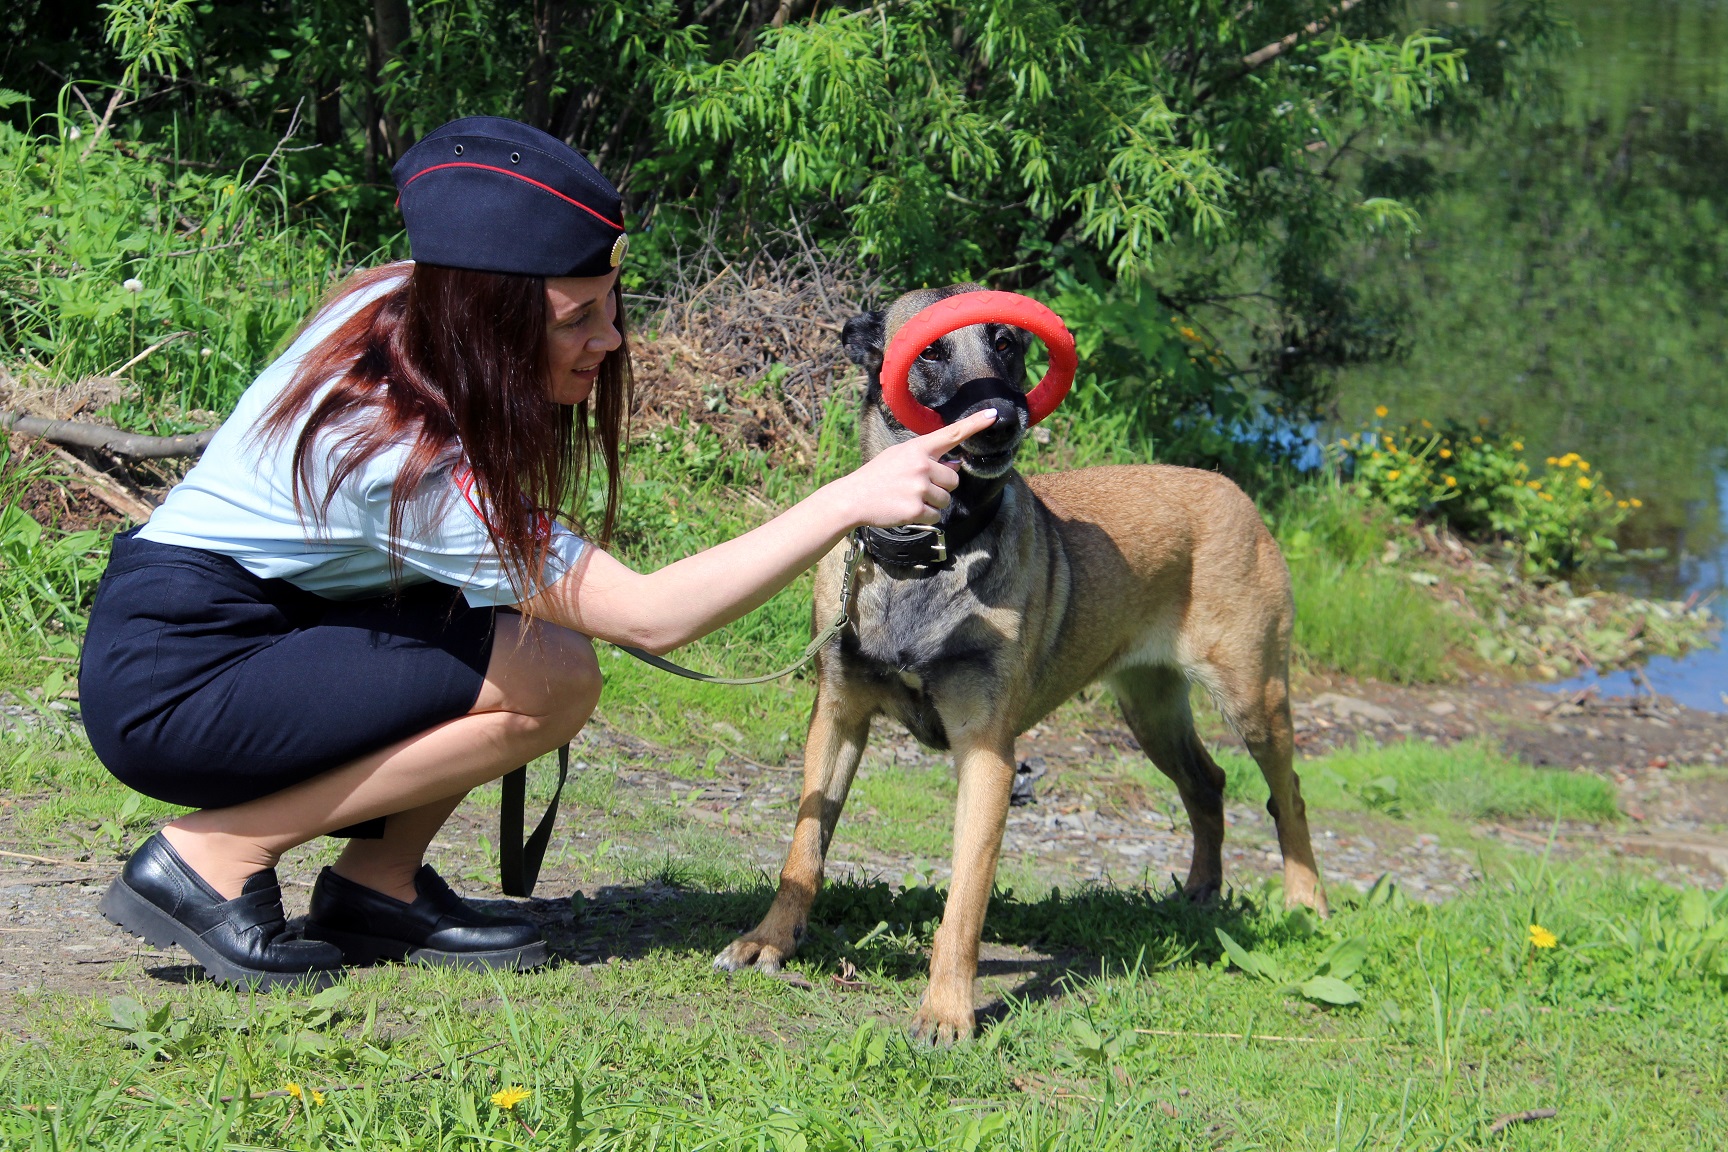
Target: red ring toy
(956, 312)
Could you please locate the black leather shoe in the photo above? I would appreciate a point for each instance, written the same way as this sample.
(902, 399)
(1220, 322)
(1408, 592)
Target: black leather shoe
(438, 928)
(242, 942)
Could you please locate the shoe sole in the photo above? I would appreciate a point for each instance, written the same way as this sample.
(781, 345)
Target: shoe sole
(123, 906)
(358, 950)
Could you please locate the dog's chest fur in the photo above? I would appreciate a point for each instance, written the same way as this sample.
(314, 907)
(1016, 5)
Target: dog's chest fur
(924, 644)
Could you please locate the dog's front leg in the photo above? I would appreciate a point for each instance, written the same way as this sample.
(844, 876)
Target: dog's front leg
(838, 733)
(986, 779)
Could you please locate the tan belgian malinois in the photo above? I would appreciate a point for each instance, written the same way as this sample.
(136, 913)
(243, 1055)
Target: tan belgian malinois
(1146, 577)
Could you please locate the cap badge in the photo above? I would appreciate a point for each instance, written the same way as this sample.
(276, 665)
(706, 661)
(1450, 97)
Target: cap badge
(620, 247)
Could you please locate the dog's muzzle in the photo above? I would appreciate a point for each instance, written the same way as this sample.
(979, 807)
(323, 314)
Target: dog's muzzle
(996, 394)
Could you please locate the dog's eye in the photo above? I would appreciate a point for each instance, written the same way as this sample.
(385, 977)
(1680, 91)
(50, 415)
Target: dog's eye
(1003, 344)
(933, 353)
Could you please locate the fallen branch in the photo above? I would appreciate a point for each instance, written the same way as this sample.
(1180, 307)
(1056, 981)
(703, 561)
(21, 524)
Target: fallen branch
(1512, 1118)
(37, 859)
(103, 487)
(77, 434)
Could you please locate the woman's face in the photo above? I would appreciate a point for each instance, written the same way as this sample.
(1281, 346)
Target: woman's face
(580, 332)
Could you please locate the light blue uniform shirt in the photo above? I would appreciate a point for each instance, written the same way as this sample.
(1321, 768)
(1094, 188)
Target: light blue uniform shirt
(238, 501)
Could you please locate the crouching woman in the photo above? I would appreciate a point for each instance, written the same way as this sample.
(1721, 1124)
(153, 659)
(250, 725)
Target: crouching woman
(361, 603)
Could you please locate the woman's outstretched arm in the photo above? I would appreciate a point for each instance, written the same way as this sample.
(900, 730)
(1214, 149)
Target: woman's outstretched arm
(665, 609)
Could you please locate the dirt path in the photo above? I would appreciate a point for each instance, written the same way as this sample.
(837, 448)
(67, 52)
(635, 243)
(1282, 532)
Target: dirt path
(1071, 832)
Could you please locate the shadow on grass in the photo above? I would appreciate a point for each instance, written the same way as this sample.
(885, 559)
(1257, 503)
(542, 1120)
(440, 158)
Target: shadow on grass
(886, 931)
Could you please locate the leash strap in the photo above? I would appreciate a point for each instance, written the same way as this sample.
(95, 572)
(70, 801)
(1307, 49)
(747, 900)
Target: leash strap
(519, 860)
(853, 551)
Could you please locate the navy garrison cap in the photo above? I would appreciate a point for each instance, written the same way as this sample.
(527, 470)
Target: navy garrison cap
(495, 195)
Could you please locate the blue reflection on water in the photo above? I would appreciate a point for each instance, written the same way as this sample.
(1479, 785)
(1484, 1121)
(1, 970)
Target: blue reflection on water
(1698, 679)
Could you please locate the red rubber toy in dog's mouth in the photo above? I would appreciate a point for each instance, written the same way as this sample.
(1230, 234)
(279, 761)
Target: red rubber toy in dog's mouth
(958, 312)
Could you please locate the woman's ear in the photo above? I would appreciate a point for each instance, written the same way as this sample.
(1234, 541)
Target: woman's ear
(861, 337)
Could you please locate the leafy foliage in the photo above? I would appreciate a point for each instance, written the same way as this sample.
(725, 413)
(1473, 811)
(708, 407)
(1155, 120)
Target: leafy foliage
(1476, 481)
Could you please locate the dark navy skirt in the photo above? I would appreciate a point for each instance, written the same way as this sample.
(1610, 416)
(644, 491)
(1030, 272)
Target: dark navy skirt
(204, 685)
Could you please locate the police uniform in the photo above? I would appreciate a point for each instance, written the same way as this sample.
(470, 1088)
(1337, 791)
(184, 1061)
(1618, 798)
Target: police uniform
(235, 650)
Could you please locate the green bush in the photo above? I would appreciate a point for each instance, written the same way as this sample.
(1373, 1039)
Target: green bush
(1476, 482)
(105, 253)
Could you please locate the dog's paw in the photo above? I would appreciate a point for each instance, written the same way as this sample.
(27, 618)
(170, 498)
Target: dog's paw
(941, 1028)
(749, 952)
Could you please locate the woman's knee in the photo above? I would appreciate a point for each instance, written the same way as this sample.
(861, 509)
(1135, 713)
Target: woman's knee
(541, 671)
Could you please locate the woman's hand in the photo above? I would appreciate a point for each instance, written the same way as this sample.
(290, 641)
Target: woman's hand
(909, 483)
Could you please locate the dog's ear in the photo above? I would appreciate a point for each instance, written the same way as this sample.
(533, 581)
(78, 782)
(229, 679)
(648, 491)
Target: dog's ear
(861, 336)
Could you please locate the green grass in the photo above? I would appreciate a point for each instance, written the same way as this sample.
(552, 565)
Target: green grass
(1461, 1022)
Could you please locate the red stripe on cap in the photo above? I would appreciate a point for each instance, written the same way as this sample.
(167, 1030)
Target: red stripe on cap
(524, 179)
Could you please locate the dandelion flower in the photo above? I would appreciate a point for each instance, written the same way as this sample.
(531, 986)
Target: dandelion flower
(1394, 474)
(1637, 503)
(1188, 333)
(1517, 445)
(133, 285)
(1583, 465)
(1380, 410)
(1425, 424)
(1535, 485)
(1475, 439)
(1445, 453)
(1622, 504)
(1584, 482)
(1517, 483)
(508, 1097)
(293, 1090)
(1553, 460)
(1450, 482)
(1540, 937)
(1546, 496)
(317, 1096)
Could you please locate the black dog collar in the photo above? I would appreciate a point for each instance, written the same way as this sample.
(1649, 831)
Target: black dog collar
(926, 547)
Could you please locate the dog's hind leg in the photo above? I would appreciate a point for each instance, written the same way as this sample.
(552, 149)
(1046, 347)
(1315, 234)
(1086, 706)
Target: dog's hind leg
(1154, 701)
(832, 750)
(986, 779)
(1260, 713)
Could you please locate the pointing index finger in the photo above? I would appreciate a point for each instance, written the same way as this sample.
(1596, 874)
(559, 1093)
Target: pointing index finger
(945, 438)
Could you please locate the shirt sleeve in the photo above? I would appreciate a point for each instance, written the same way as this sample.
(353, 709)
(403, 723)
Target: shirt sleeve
(445, 539)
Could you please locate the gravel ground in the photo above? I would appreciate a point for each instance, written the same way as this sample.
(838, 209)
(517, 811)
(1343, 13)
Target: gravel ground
(1071, 832)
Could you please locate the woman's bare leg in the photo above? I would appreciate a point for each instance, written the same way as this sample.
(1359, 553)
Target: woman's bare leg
(541, 685)
(388, 863)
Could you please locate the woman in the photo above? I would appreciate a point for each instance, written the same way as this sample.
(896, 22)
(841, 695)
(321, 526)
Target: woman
(357, 606)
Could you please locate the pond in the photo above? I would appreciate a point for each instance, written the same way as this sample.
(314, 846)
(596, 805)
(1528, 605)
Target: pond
(1571, 282)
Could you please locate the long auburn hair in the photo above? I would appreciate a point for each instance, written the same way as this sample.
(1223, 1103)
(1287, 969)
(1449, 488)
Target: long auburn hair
(452, 362)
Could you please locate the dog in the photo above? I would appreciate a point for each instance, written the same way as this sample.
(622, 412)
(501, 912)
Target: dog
(1146, 577)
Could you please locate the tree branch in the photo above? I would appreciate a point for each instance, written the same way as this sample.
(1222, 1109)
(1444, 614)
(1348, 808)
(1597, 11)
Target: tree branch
(1278, 47)
(133, 445)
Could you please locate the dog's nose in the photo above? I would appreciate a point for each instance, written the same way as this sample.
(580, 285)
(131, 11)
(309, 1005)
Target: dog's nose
(1000, 434)
(990, 393)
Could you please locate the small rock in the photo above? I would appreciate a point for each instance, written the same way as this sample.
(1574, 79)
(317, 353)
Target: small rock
(1442, 708)
(1345, 707)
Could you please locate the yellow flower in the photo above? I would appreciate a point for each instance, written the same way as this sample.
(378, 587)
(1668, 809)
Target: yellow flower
(1394, 474)
(1637, 503)
(293, 1090)
(1517, 445)
(1540, 937)
(1188, 333)
(1535, 485)
(1623, 504)
(1517, 483)
(1475, 439)
(1425, 424)
(1545, 496)
(1583, 465)
(1552, 461)
(317, 1096)
(1584, 482)
(1450, 482)
(508, 1097)
(1380, 410)
(1445, 453)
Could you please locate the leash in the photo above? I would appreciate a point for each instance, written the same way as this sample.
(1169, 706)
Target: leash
(519, 860)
